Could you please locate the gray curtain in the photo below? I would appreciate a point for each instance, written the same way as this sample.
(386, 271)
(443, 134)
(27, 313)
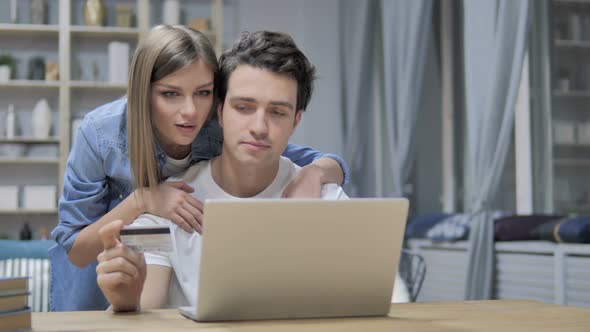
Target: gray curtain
(356, 33)
(542, 146)
(495, 42)
(384, 48)
(406, 30)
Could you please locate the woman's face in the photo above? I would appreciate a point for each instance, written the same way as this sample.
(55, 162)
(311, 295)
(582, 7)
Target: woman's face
(181, 103)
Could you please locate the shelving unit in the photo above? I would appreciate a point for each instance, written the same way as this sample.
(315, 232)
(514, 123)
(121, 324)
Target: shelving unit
(69, 42)
(28, 211)
(30, 84)
(28, 29)
(570, 116)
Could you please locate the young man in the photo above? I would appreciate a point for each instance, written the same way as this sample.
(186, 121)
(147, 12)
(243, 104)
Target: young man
(265, 84)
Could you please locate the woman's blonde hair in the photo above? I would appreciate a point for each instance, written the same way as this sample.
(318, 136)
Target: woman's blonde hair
(163, 51)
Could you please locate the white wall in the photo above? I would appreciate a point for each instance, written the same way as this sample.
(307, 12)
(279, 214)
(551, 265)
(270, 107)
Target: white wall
(314, 26)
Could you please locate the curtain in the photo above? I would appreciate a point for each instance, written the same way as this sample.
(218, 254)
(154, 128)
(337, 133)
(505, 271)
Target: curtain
(406, 30)
(384, 52)
(357, 46)
(495, 41)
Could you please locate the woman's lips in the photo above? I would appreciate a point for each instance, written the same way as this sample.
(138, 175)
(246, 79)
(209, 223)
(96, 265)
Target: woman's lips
(186, 128)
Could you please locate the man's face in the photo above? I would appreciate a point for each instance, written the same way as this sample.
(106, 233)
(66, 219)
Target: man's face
(258, 115)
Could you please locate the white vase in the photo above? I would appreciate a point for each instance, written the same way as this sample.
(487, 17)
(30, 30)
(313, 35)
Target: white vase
(4, 73)
(41, 119)
(171, 12)
(10, 122)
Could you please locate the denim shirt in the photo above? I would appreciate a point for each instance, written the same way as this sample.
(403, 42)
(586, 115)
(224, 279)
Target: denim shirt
(98, 178)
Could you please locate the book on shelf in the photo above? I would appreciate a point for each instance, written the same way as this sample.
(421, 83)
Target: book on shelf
(15, 320)
(13, 285)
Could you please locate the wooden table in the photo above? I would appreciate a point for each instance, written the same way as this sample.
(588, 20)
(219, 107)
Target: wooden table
(497, 315)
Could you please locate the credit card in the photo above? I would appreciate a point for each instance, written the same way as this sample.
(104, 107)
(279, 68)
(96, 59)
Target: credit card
(147, 238)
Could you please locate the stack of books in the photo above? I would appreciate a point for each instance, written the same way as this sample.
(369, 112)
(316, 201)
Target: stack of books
(15, 315)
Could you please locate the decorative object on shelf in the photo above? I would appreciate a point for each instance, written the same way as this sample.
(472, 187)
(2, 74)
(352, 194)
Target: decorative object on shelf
(124, 15)
(25, 232)
(171, 12)
(9, 196)
(51, 71)
(563, 132)
(95, 71)
(118, 62)
(12, 151)
(13, 11)
(41, 119)
(94, 12)
(39, 197)
(201, 24)
(7, 63)
(563, 80)
(44, 233)
(39, 151)
(2, 124)
(39, 12)
(36, 68)
(583, 133)
(586, 27)
(10, 122)
(575, 26)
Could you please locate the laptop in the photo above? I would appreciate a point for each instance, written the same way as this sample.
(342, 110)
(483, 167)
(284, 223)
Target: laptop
(292, 258)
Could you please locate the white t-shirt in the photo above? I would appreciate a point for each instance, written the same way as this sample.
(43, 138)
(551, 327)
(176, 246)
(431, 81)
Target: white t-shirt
(175, 166)
(187, 259)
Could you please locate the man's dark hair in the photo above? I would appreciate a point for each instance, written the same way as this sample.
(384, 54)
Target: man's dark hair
(272, 51)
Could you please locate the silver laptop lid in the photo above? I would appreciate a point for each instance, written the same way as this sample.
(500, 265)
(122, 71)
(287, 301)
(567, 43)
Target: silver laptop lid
(273, 259)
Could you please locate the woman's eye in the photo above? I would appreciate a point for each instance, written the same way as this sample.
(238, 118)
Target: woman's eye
(204, 93)
(169, 94)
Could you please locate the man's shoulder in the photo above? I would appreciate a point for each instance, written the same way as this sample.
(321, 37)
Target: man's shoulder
(329, 190)
(333, 191)
(191, 174)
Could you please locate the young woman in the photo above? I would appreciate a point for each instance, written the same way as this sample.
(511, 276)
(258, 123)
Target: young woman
(124, 150)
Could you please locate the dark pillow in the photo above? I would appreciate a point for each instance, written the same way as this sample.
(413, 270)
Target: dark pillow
(519, 228)
(419, 225)
(546, 231)
(576, 230)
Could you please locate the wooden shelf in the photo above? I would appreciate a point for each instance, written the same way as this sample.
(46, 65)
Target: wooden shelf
(30, 84)
(29, 140)
(567, 2)
(28, 211)
(572, 207)
(29, 29)
(572, 162)
(564, 43)
(25, 160)
(90, 31)
(97, 85)
(571, 94)
(571, 146)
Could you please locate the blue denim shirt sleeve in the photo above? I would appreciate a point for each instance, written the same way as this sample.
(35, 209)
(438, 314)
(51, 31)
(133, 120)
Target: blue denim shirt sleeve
(85, 186)
(303, 156)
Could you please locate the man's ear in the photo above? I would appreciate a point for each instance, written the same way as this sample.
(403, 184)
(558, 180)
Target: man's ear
(220, 114)
(297, 120)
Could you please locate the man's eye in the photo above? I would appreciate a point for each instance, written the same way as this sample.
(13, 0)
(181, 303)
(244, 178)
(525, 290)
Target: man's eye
(277, 113)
